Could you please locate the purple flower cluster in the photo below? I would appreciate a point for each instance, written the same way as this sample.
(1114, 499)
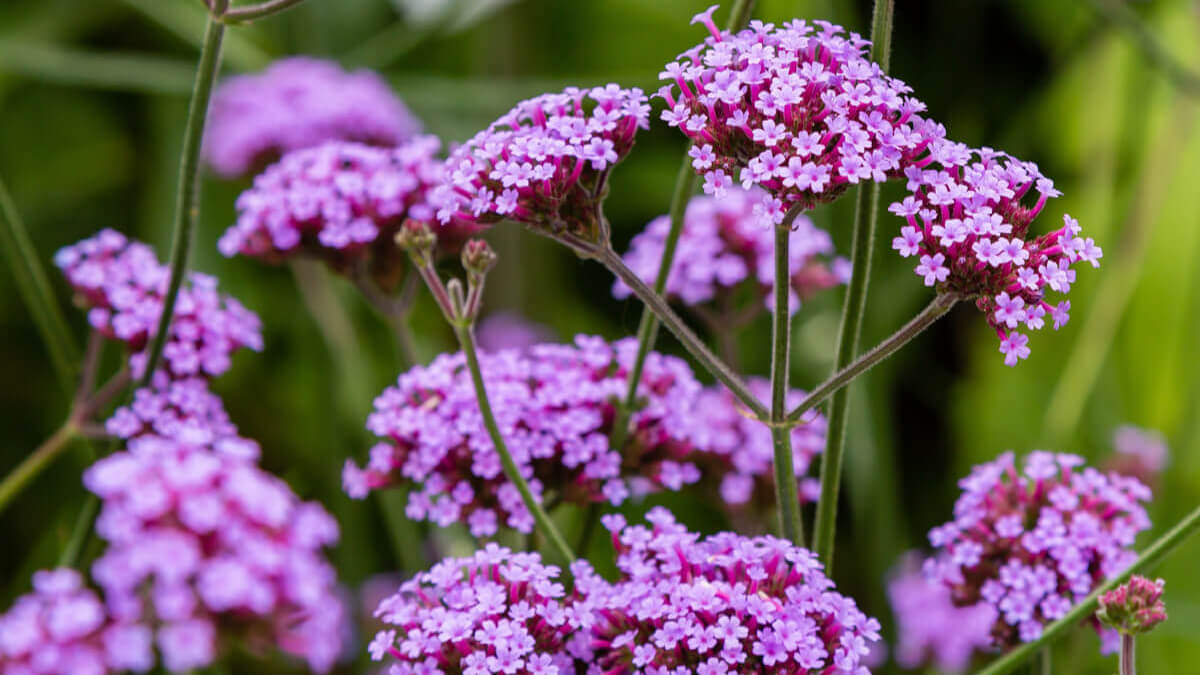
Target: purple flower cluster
(930, 628)
(183, 410)
(724, 242)
(495, 612)
(1033, 543)
(1140, 453)
(339, 201)
(555, 405)
(504, 330)
(63, 627)
(798, 110)
(204, 543)
(719, 605)
(968, 226)
(738, 449)
(122, 283)
(298, 103)
(546, 162)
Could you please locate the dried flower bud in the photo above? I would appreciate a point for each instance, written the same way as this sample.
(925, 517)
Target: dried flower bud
(1133, 607)
(418, 239)
(477, 258)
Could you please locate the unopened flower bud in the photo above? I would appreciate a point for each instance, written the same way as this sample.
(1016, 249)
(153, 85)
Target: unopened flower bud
(1133, 607)
(477, 258)
(418, 239)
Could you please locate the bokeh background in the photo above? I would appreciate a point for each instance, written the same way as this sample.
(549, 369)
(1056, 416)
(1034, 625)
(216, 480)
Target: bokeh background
(1100, 93)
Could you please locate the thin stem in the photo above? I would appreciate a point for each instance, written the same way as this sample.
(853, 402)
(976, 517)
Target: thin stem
(1126, 663)
(187, 207)
(786, 496)
(466, 339)
(259, 11)
(81, 533)
(866, 208)
(1151, 556)
(590, 519)
(19, 478)
(393, 310)
(30, 276)
(1046, 662)
(695, 346)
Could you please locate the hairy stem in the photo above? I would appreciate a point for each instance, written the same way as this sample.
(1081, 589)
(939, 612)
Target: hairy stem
(466, 339)
(786, 497)
(35, 290)
(866, 208)
(1126, 662)
(259, 11)
(1151, 556)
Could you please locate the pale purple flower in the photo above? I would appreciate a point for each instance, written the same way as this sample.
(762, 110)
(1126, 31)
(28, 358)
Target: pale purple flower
(930, 628)
(1140, 453)
(505, 330)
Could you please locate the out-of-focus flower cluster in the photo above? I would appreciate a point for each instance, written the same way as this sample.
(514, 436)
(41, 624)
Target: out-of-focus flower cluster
(1034, 542)
(339, 201)
(494, 612)
(63, 627)
(718, 605)
(505, 330)
(930, 628)
(1141, 453)
(123, 284)
(798, 109)
(298, 103)
(183, 410)
(546, 162)
(555, 405)
(968, 225)
(725, 242)
(738, 449)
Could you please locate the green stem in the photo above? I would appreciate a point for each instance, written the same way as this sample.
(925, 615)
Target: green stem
(187, 207)
(685, 184)
(786, 497)
(466, 339)
(259, 11)
(590, 519)
(866, 208)
(1126, 658)
(394, 310)
(1152, 555)
(27, 470)
(35, 290)
(81, 533)
(1124, 18)
(695, 346)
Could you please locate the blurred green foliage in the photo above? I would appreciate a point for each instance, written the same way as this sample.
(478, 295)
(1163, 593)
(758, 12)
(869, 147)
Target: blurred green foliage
(92, 101)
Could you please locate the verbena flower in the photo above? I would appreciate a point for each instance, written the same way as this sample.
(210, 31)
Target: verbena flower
(555, 406)
(297, 103)
(341, 202)
(737, 450)
(968, 225)
(63, 627)
(1141, 453)
(122, 284)
(207, 546)
(494, 612)
(798, 110)
(184, 410)
(719, 605)
(505, 330)
(1035, 542)
(929, 627)
(546, 162)
(1133, 607)
(726, 243)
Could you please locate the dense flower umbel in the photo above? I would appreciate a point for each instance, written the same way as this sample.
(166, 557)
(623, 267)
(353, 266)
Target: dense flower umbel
(207, 545)
(555, 406)
(184, 410)
(495, 612)
(1035, 542)
(738, 451)
(969, 227)
(725, 242)
(1133, 607)
(298, 103)
(339, 201)
(546, 162)
(930, 628)
(798, 110)
(123, 284)
(719, 605)
(62, 628)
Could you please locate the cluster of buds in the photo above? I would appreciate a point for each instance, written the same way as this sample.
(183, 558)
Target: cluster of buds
(1134, 607)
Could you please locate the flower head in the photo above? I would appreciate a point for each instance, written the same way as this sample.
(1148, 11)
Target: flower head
(505, 330)
(1141, 453)
(63, 627)
(494, 612)
(184, 410)
(339, 201)
(798, 110)
(545, 163)
(969, 225)
(122, 284)
(1133, 607)
(297, 103)
(721, 604)
(555, 407)
(728, 241)
(1033, 543)
(204, 542)
(930, 628)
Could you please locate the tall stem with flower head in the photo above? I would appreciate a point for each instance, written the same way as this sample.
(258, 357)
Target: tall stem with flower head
(786, 496)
